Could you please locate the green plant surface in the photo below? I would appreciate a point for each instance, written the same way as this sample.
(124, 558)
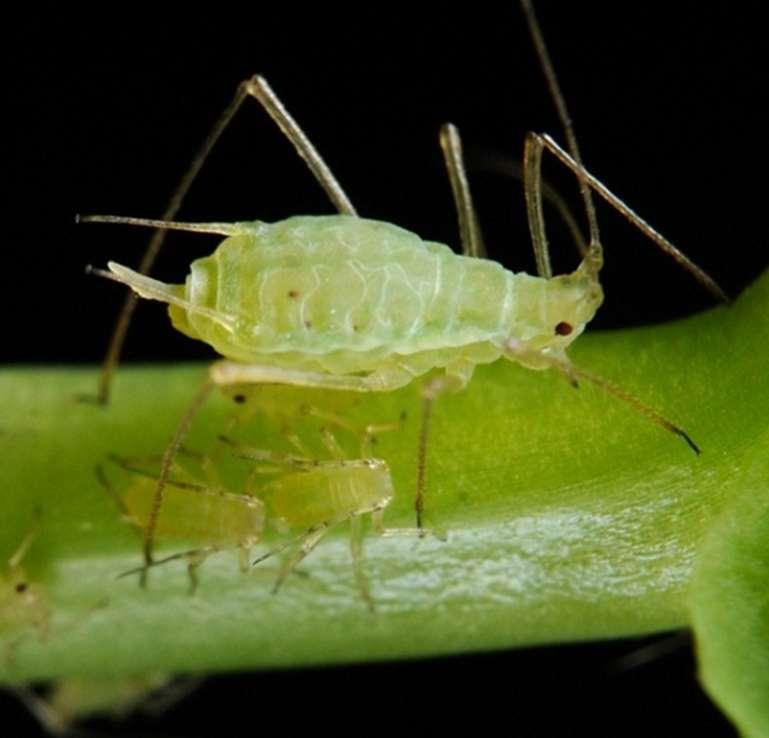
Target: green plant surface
(730, 603)
(569, 515)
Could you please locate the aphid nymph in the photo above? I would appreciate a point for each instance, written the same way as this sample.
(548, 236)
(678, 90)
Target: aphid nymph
(196, 511)
(23, 602)
(344, 303)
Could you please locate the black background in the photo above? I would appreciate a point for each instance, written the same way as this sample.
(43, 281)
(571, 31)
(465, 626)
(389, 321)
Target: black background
(106, 111)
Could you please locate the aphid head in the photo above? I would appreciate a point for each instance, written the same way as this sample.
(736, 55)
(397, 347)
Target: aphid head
(557, 311)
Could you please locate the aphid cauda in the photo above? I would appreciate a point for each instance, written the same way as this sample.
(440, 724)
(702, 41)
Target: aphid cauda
(344, 303)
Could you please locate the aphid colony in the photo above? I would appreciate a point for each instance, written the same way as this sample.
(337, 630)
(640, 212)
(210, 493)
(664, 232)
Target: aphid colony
(344, 303)
(320, 473)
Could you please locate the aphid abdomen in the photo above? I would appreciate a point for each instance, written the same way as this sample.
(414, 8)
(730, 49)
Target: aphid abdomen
(349, 292)
(331, 491)
(207, 517)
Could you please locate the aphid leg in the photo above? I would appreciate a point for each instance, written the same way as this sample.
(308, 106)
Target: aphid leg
(257, 88)
(194, 560)
(469, 228)
(332, 445)
(532, 186)
(356, 552)
(244, 558)
(655, 236)
(14, 561)
(271, 457)
(509, 167)
(378, 526)
(105, 482)
(456, 377)
(165, 469)
(194, 557)
(371, 431)
(308, 542)
(390, 378)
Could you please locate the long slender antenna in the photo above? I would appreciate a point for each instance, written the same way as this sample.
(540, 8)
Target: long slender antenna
(563, 114)
(221, 229)
(607, 385)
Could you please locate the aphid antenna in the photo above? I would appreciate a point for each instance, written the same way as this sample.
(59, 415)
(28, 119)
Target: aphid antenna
(220, 229)
(594, 256)
(608, 386)
(536, 144)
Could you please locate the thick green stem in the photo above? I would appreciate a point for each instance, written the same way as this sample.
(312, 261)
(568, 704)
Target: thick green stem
(569, 515)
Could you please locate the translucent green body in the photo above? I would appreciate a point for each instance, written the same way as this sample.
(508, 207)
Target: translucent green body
(204, 515)
(330, 492)
(343, 295)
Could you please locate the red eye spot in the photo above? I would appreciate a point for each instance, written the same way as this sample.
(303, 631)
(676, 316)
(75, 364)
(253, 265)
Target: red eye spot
(563, 329)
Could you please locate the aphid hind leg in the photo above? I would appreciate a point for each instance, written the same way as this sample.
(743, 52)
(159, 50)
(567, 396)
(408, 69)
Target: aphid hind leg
(257, 88)
(469, 228)
(532, 186)
(546, 142)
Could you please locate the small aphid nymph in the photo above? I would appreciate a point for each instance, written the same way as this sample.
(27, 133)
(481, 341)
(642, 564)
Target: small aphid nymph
(196, 511)
(23, 603)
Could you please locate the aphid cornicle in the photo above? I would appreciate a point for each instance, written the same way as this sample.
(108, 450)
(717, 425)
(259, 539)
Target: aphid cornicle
(344, 303)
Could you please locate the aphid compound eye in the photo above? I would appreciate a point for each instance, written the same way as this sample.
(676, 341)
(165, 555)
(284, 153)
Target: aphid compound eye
(563, 328)
(240, 399)
(21, 587)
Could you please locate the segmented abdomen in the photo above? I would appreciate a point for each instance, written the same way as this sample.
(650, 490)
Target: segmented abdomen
(324, 285)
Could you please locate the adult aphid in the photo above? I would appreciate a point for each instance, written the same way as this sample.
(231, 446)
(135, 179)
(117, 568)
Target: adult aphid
(343, 303)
